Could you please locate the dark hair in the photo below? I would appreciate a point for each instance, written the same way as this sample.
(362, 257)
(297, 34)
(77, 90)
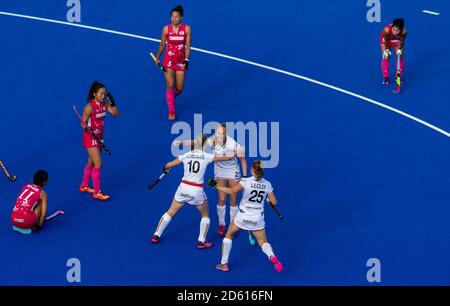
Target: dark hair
(204, 139)
(40, 177)
(398, 23)
(178, 9)
(259, 170)
(96, 86)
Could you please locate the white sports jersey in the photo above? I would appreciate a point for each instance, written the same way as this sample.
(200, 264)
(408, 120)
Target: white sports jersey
(195, 163)
(229, 168)
(254, 195)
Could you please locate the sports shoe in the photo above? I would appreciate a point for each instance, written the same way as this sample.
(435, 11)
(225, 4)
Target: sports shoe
(278, 266)
(100, 196)
(223, 267)
(222, 230)
(386, 81)
(204, 245)
(155, 239)
(86, 189)
(171, 116)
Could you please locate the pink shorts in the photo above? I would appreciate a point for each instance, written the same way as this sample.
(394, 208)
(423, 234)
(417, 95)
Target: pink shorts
(89, 141)
(24, 220)
(173, 62)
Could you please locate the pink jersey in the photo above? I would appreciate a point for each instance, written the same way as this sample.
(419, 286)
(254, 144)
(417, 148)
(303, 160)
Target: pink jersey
(394, 40)
(96, 122)
(28, 199)
(175, 51)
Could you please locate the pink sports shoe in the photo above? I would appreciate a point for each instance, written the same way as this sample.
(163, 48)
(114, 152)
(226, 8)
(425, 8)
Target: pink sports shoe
(155, 239)
(278, 266)
(223, 267)
(204, 245)
(222, 230)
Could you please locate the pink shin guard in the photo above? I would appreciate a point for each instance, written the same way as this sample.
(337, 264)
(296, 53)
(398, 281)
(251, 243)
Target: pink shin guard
(385, 67)
(96, 179)
(170, 97)
(87, 175)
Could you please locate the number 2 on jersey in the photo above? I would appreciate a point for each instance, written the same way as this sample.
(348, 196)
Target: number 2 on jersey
(255, 194)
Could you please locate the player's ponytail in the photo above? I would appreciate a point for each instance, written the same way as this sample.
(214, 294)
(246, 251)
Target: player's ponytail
(258, 169)
(178, 9)
(199, 142)
(94, 88)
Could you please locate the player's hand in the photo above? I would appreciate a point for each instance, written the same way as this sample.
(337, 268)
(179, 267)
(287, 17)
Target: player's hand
(177, 142)
(399, 52)
(386, 54)
(186, 64)
(213, 183)
(110, 99)
(166, 169)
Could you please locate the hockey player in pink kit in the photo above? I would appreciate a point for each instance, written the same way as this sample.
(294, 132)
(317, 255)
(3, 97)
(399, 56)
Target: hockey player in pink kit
(393, 36)
(94, 114)
(177, 36)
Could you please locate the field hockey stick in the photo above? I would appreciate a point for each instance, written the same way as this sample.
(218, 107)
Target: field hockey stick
(275, 210)
(54, 215)
(398, 75)
(91, 132)
(12, 179)
(154, 58)
(150, 186)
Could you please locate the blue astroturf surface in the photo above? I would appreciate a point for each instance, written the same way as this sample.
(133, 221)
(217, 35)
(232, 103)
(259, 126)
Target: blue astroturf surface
(354, 180)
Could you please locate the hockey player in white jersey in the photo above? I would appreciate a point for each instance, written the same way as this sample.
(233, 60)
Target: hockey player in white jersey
(250, 215)
(190, 190)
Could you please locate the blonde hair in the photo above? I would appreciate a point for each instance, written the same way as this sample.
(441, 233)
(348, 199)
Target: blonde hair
(199, 142)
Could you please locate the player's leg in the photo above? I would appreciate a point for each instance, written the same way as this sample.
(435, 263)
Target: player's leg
(261, 237)
(227, 244)
(221, 207)
(38, 211)
(170, 96)
(179, 85)
(204, 226)
(96, 157)
(233, 200)
(385, 52)
(165, 219)
(87, 174)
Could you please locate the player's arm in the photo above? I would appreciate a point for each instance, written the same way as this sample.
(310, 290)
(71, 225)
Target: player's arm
(86, 113)
(241, 156)
(112, 107)
(188, 44)
(272, 199)
(44, 203)
(402, 38)
(183, 142)
(233, 190)
(222, 158)
(171, 164)
(386, 37)
(161, 44)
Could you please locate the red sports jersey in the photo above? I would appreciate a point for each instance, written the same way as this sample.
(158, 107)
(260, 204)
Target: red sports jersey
(175, 51)
(394, 40)
(96, 122)
(23, 215)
